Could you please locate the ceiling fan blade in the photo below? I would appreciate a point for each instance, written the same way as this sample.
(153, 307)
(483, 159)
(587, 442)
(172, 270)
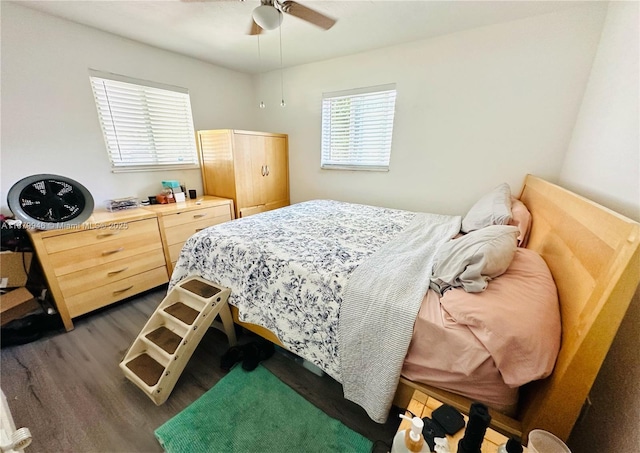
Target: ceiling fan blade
(255, 28)
(308, 14)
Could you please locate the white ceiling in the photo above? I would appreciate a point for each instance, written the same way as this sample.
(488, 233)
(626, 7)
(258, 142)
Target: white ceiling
(216, 30)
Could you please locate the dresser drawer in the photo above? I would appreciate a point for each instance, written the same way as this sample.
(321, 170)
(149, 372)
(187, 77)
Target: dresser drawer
(180, 233)
(96, 254)
(252, 210)
(111, 233)
(86, 279)
(104, 295)
(196, 215)
(174, 252)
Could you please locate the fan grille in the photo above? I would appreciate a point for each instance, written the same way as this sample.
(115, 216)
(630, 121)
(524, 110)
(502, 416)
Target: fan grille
(47, 202)
(52, 201)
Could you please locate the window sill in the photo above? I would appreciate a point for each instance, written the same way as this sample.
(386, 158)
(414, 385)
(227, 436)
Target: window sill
(354, 168)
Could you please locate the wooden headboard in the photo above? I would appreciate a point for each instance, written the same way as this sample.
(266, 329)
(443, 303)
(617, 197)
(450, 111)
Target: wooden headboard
(594, 256)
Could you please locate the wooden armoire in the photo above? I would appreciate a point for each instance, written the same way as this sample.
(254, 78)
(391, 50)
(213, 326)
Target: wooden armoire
(252, 168)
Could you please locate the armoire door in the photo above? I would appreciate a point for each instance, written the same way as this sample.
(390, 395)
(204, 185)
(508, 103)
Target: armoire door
(249, 169)
(276, 180)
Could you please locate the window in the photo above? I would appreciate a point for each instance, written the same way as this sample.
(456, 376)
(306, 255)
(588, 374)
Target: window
(146, 126)
(357, 126)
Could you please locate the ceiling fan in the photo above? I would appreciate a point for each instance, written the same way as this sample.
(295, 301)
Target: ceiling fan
(268, 16)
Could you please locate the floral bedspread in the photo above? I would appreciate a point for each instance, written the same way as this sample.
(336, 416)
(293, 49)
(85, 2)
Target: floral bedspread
(287, 269)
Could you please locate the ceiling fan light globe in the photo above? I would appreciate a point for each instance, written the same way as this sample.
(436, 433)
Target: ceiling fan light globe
(267, 17)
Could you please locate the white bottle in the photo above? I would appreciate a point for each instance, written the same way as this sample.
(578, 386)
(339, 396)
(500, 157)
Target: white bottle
(410, 440)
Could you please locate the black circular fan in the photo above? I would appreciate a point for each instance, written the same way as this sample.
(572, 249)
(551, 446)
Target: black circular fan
(47, 202)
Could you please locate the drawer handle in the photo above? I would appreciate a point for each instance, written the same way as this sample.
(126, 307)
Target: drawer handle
(197, 216)
(115, 293)
(199, 229)
(117, 272)
(111, 252)
(106, 235)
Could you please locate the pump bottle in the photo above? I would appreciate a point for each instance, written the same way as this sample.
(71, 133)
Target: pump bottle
(410, 440)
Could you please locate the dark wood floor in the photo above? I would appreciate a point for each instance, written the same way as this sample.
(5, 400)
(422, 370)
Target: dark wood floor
(68, 390)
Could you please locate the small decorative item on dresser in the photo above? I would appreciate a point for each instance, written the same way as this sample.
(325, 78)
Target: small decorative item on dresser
(168, 194)
(171, 184)
(119, 204)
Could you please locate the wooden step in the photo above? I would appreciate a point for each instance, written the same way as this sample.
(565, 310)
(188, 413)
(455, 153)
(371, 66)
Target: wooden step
(158, 355)
(200, 288)
(182, 312)
(165, 339)
(146, 368)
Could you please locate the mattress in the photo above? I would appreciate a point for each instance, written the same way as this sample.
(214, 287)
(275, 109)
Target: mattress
(486, 345)
(288, 269)
(447, 355)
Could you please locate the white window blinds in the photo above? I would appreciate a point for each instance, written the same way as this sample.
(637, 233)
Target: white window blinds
(146, 126)
(357, 127)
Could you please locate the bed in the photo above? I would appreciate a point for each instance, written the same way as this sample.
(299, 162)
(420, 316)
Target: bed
(592, 254)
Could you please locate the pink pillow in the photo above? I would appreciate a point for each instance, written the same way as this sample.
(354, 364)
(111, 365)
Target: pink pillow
(517, 318)
(521, 218)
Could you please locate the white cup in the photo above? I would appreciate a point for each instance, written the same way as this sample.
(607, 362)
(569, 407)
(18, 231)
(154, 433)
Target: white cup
(541, 441)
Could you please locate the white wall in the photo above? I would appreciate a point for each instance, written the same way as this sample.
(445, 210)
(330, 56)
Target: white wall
(603, 163)
(474, 109)
(603, 158)
(49, 119)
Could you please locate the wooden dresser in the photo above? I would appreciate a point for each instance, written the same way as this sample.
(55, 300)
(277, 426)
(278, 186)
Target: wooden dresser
(252, 168)
(179, 221)
(117, 255)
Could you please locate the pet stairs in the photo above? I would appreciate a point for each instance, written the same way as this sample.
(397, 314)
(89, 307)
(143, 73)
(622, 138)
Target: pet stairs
(160, 352)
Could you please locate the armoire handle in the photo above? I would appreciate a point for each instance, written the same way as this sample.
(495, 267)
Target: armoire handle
(267, 167)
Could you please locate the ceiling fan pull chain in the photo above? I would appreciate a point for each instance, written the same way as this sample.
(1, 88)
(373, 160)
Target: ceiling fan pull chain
(282, 103)
(261, 105)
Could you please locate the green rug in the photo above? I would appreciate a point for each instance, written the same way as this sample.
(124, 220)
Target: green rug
(248, 412)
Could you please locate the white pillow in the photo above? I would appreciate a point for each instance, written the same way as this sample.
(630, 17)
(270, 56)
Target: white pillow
(492, 209)
(471, 261)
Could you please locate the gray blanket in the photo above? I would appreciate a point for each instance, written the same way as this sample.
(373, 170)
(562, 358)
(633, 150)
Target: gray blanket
(380, 305)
